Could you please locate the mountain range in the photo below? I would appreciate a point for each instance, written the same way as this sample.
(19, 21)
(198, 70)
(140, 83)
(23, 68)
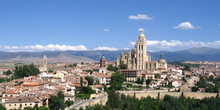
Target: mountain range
(192, 54)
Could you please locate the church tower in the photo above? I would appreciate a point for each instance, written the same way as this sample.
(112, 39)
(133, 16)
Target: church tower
(45, 63)
(103, 61)
(141, 52)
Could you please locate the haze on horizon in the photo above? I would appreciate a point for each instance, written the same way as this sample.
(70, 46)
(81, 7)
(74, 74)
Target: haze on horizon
(53, 25)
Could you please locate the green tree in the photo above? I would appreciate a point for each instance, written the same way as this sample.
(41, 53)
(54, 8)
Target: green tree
(56, 103)
(148, 81)
(2, 107)
(117, 80)
(90, 80)
(50, 71)
(68, 103)
(186, 68)
(113, 99)
(60, 95)
(184, 79)
(211, 78)
(139, 80)
(112, 68)
(8, 72)
(43, 108)
(122, 65)
(81, 81)
(157, 75)
(25, 71)
(90, 71)
(195, 89)
(86, 90)
(28, 108)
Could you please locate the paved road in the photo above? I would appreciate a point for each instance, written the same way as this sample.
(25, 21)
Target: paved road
(77, 105)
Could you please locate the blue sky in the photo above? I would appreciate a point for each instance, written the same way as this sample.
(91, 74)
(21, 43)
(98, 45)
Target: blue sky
(42, 25)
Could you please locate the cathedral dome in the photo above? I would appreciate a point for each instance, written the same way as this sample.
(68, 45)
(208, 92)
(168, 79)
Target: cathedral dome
(142, 35)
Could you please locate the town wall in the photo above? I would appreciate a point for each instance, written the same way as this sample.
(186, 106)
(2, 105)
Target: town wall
(196, 95)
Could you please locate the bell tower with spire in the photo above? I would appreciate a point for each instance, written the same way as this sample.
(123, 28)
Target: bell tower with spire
(103, 61)
(141, 52)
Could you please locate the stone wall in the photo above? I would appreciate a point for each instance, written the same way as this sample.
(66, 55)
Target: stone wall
(196, 95)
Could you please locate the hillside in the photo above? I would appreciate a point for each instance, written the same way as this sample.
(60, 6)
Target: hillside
(193, 54)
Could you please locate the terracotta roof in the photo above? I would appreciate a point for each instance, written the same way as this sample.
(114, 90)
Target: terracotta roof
(98, 86)
(23, 99)
(102, 75)
(32, 84)
(12, 92)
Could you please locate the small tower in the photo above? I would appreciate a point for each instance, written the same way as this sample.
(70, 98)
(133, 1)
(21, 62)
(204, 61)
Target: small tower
(103, 61)
(45, 63)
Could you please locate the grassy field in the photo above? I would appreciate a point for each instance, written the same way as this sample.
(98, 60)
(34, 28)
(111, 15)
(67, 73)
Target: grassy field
(7, 65)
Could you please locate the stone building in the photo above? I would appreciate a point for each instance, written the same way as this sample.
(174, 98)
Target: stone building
(103, 61)
(45, 63)
(136, 58)
(139, 59)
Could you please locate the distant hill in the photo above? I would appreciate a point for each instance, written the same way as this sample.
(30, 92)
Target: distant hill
(37, 57)
(193, 54)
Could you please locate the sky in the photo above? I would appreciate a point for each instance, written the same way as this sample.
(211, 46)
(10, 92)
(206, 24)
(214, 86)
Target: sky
(59, 25)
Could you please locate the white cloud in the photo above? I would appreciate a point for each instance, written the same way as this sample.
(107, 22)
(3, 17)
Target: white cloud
(141, 29)
(126, 48)
(50, 47)
(140, 17)
(176, 43)
(186, 26)
(132, 43)
(106, 30)
(106, 48)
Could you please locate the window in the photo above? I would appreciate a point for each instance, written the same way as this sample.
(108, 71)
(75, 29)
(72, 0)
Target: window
(9, 104)
(139, 47)
(142, 47)
(68, 98)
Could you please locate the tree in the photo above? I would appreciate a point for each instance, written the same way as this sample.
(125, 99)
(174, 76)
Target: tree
(8, 72)
(157, 75)
(28, 108)
(2, 107)
(25, 71)
(81, 81)
(90, 71)
(122, 65)
(56, 103)
(90, 80)
(184, 79)
(60, 95)
(117, 80)
(186, 68)
(139, 80)
(50, 71)
(113, 99)
(112, 68)
(69, 103)
(43, 108)
(211, 78)
(148, 81)
(86, 90)
(195, 89)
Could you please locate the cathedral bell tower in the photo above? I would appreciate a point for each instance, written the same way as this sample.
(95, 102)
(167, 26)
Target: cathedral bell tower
(141, 52)
(45, 63)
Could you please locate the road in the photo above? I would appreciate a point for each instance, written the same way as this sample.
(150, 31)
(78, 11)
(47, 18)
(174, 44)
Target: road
(78, 105)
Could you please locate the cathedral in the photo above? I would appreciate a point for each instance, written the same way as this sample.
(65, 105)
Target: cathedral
(139, 59)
